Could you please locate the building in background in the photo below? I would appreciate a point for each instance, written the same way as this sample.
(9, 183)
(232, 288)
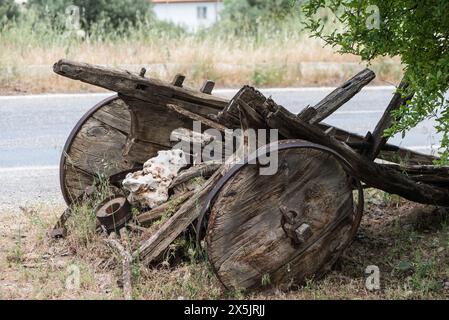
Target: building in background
(190, 14)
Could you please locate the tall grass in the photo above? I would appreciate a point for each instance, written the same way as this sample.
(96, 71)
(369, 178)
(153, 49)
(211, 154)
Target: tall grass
(270, 55)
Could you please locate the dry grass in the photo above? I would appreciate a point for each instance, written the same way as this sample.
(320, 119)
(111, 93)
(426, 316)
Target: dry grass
(408, 242)
(283, 63)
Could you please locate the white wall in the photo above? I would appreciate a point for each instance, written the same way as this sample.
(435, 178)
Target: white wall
(186, 14)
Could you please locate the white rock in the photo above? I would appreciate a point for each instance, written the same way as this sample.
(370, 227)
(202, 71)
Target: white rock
(149, 187)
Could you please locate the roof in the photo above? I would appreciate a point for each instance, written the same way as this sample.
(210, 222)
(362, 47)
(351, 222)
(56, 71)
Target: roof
(184, 1)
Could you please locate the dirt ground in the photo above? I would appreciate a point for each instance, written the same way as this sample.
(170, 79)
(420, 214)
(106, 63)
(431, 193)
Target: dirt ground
(409, 244)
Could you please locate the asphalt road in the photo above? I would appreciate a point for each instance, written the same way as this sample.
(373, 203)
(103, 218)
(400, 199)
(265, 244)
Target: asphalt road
(33, 130)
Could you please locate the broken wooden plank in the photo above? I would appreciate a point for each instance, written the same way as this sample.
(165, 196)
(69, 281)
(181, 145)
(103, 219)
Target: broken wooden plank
(164, 210)
(205, 170)
(127, 261)
(378, 138)
(341, 95)
(230, 116)
(250, 118)
(190, 117)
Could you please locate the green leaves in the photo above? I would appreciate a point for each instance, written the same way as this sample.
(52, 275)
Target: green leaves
(248, 15)
(8, 10)
(112, 14)
(417, 31)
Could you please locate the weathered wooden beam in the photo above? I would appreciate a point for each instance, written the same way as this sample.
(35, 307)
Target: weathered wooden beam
(165, 209)
(373, 174)
(185, 114)
(133, 85)
(230, 116)
(307, 114)
(430, 174)
(250, 118)
(366, 170)
(378, 138)
(389, 152)
(258, 102)
(205, 170)
(341, 95)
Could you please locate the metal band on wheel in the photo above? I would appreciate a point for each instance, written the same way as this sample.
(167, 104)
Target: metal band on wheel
(253, 158)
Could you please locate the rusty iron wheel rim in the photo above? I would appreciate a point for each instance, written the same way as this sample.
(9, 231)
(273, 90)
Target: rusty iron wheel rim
(203, 218)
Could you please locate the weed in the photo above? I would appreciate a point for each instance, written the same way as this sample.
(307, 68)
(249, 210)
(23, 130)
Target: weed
(424, 278)
(266, 280)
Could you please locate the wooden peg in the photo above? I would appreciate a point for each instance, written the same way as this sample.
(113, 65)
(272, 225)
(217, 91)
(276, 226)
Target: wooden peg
(207, 87)
(178, 80)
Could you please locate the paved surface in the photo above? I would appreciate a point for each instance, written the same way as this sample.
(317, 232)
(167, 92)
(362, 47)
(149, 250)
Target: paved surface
(33, 130)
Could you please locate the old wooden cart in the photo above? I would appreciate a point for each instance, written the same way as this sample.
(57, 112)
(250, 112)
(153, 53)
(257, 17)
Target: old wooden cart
(285, 228)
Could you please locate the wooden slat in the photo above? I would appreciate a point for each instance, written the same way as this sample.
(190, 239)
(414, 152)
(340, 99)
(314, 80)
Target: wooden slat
(76, 181)
(97, 149)
(341, 95)
(116, 115)
(378, 139)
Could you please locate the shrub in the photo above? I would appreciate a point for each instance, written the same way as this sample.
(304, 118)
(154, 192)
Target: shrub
(8, 11)
(111, 14)
(249, 15)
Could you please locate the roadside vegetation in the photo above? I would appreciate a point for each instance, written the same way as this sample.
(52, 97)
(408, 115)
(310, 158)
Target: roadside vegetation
(262, 48)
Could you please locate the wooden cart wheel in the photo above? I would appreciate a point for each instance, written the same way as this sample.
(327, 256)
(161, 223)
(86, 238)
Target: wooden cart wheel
(282, 229)
(95, 147)
(119, 134)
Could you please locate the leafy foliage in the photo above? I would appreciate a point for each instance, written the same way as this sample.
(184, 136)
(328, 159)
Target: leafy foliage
(8, 10)
(415, 30)
(112, 14)
(250, 14)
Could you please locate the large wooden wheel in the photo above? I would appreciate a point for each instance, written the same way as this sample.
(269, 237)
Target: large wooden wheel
(286, 228)
(95, 146)
(120, 134)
